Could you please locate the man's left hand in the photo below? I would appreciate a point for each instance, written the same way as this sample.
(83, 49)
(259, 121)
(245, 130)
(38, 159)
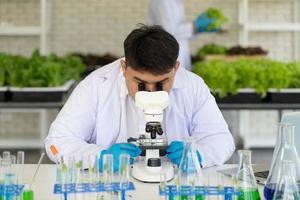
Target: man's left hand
(175, 151)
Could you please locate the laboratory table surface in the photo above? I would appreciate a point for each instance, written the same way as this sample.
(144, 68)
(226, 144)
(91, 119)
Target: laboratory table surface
(45, 179)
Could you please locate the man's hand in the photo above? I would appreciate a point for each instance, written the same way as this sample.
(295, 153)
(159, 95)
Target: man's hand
(202, 22)
(116, 150)
(175, 151)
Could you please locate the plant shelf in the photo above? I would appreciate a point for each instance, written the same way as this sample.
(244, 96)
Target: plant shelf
(40, 94)
(274, 96)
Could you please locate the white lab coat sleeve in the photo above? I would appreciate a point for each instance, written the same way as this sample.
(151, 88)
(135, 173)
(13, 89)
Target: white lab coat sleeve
(73, 127)
(164, 15)
(214, 140)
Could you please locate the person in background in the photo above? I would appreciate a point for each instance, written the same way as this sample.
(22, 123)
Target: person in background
(170, 15)
(101, 114)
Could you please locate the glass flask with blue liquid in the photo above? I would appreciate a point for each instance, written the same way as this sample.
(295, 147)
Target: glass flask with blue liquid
(283, 181)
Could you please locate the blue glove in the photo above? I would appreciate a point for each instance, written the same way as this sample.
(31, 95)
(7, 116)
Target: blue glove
(116, 150)
(175, 151)
(202, 23)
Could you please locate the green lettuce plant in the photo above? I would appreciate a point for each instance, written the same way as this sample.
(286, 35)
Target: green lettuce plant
(224, 77)
(219, 18)
(40, 71)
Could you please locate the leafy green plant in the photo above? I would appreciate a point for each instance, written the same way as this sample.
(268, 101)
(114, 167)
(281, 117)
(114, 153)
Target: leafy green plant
(295, 68)
(218, 16)
(227, 77)
(3, 64)
(40, 71)
(221, 78)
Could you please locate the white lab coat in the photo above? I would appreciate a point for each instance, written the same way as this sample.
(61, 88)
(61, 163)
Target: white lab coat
(170, 15)
(91, 118)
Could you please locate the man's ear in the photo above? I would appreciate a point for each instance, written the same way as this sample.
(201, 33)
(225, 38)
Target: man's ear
(123, 65)
(177, 65)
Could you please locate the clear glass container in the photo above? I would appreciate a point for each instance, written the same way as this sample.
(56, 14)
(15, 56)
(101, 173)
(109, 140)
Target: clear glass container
(190, 171)
(285, 158)
(286, 187)
(246, 182)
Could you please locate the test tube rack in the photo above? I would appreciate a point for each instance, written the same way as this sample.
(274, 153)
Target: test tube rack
(92, 187)
(10, 190)
(171, 191)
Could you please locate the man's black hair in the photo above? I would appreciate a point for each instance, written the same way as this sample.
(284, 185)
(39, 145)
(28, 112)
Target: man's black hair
(151, 49)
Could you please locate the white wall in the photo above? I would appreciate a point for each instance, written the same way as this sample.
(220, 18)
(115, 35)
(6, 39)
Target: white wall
(100, 26)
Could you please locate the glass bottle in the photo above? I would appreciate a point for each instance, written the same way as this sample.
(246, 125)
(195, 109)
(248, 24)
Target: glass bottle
(190, 173)
(286, 158)
(246, 182)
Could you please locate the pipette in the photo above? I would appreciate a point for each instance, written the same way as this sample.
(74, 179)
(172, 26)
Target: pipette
(28, 194)
(36, 170)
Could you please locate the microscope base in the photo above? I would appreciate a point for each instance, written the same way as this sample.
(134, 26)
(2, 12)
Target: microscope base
(148, 174)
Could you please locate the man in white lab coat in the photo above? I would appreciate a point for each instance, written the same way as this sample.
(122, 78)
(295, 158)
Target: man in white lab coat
(101, 113)
(170, 15)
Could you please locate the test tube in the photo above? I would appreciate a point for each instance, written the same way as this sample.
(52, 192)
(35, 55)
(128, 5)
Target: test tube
(163, 186)
(220, 185)
(3, 166)
(93, 168)
(68, 176)
(93, 175)
(207, 184)
(234, 185)
(20, 166)
(124, 170)
(58, 173)
(108, 169)
(108, 174)
(178, 188)
(124, 173)
(80, 178)
(10, 175)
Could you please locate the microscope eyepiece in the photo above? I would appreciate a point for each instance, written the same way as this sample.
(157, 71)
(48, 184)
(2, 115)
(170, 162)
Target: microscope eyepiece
(142, 87)
(159, 86)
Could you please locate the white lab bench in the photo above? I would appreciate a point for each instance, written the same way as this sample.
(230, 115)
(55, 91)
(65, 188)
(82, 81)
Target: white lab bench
(44, 183)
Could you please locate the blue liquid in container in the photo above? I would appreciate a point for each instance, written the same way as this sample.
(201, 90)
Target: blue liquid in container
(269, 191)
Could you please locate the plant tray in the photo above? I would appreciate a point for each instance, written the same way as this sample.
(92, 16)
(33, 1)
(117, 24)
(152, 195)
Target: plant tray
(231, 58)
(3, 94)
(288, 95)
(40, 94)
(243, 96)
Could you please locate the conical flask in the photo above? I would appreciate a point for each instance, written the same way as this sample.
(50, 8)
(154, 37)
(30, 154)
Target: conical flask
(286, 158)
(286, 188)
(190, 172)
(277, 145)
(246, 182)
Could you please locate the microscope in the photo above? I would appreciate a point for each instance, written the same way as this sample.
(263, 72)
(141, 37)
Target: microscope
(152, 165)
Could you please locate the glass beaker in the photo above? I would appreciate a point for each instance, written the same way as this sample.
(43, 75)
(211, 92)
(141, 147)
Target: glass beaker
(246, 182)
(190, 172)
(286, 153)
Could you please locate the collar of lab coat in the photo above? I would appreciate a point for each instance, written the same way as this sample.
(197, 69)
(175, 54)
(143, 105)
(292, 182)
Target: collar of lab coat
(180, 79)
